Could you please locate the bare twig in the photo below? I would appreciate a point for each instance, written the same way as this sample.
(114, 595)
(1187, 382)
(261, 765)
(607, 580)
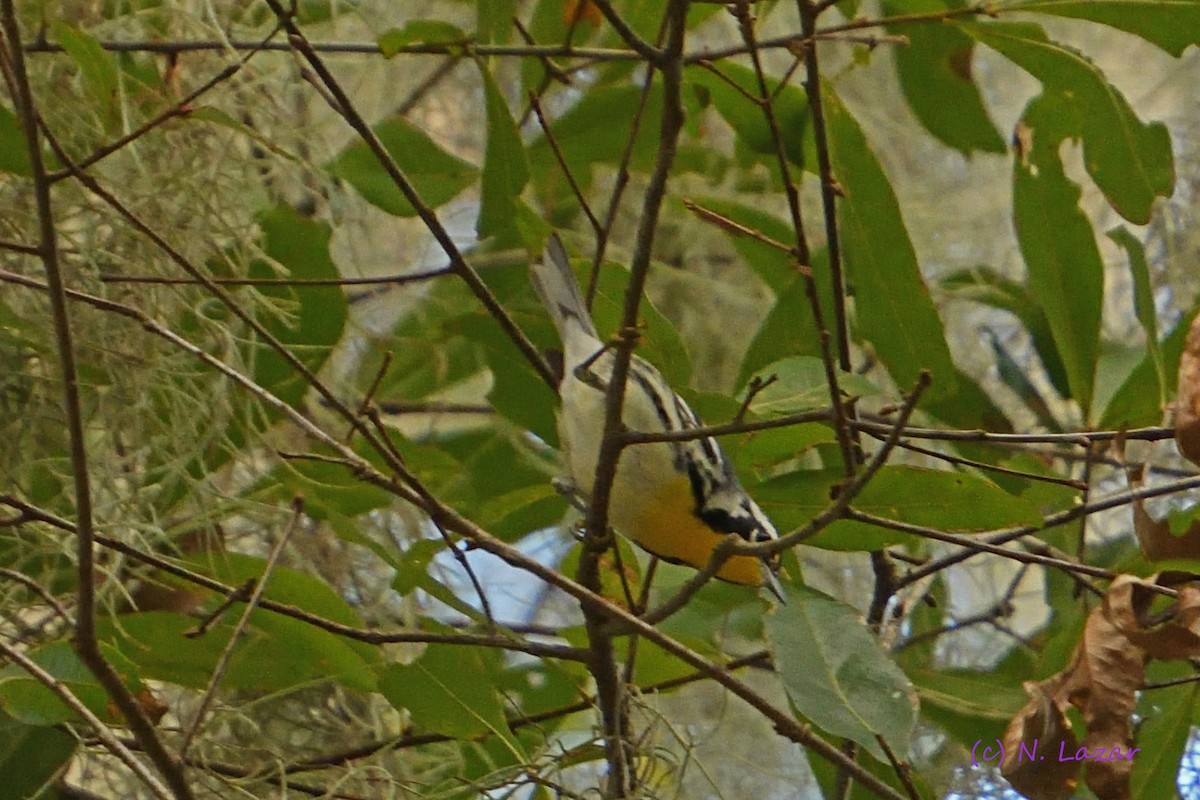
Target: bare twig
(342, 104)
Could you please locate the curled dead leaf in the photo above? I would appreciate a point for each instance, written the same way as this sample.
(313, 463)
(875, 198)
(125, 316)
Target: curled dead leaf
(1102, 681)
(1040, 726)
(1154, 536)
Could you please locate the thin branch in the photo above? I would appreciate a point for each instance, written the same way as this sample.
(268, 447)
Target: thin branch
(346, 109)
(1081, 438)
(586, 207)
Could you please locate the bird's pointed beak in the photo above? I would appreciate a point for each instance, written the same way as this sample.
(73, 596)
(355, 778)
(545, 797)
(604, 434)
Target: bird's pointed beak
(771, 581)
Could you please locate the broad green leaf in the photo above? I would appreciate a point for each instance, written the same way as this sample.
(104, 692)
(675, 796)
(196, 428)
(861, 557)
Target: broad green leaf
(1165, 723)
(315, 315)
(275, 653)
(412, 566)
(505, 167)
(1169, 24)
(97, 67)
(283, 653)
(1130, 161)
(31, 757)
(660, 344)
(450, 690)
(894, 311)
(27, 700)
(287, 586)
(787, 330)
(837, 676)
(1143, 303)
(800, 385)
(1059, 247)
(990, 288)
(1132, 406)
(491, 463)
(518, 392)
(935, 74)
(745, 116)
(437, 176)
(419, 31)
(949, 501)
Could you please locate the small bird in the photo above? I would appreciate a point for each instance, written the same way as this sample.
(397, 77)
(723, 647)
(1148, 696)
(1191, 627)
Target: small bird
(676, 500)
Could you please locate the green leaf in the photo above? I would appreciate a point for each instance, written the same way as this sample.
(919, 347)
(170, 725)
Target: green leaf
(450, 690)
(327, 488)
(949, 501)
(1059, 247)
(419, 31)
(787, 330)
(505, 168)
(276, 653)
(437, 176)
(744, 115)
(31, 757)
(97, 67)
(1131, 405)
(1130, 161)
(27, 700)
(1143, 303)
(316, 320)
(836, 674)
(1169, 24)
(800, 385)
(935, 73)
(1163, 733)
(1014, 376)
(894, 311)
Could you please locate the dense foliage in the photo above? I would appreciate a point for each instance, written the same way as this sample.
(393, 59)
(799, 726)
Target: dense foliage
(277, 510)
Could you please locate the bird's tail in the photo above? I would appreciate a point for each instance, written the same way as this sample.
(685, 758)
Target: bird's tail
(555, 284)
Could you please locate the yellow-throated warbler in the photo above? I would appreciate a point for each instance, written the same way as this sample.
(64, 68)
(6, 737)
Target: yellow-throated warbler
(677, 500)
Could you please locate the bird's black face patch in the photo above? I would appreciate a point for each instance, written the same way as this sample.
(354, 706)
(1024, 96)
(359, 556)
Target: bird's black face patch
(722, 521)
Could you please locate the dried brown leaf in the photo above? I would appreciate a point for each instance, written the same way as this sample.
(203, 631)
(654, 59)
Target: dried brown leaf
(1154, 536)
(1040, 725)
